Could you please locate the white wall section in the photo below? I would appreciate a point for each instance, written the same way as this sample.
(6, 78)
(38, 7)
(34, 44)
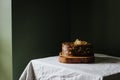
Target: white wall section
(5, 40)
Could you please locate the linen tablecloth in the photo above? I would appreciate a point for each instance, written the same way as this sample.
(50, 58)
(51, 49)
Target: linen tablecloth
(49, 68)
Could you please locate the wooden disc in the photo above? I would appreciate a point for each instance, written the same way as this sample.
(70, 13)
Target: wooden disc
(71, 59)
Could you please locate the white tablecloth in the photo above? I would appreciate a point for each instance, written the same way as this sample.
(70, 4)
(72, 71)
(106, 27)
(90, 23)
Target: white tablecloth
(49, 68)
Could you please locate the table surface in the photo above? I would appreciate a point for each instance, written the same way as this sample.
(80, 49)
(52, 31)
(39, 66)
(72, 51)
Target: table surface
(49, 68)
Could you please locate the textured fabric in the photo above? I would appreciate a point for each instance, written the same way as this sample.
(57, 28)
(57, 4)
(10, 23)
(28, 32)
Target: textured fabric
(105, 68)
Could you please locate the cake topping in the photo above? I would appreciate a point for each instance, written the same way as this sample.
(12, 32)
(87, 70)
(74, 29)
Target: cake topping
(79, 42)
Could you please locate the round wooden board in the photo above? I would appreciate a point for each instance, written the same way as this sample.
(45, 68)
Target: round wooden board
(65, 59)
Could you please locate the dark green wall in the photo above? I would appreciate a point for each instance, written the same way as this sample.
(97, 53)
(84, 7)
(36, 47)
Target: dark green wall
(97, 21)
(39, 28)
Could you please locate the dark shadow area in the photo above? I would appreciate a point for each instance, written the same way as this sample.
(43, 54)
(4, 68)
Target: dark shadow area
(113, 77)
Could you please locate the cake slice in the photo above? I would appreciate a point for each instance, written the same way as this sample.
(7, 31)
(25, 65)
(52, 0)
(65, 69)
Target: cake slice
(76, 52)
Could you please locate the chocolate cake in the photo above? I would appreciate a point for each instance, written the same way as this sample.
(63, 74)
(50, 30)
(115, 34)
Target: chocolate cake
(76, 52)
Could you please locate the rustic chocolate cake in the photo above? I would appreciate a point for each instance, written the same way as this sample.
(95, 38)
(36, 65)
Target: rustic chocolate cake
(76, 52)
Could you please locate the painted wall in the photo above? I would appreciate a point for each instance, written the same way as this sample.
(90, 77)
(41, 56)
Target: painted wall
(5, 40)
(97, 21)
(39, 28)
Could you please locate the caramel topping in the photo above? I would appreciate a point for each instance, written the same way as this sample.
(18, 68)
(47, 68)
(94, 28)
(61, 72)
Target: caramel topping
(79, 42)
